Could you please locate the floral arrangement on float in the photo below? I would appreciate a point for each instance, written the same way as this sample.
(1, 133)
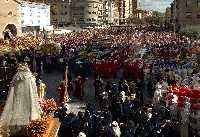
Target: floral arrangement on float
(49, 48)
(28, 44)
(1, 132)
(39, 127)
(25, 43)
(4, 48)
(48, 106)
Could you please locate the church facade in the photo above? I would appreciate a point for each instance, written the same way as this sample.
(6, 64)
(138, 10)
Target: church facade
(10, 17)
(18, 16)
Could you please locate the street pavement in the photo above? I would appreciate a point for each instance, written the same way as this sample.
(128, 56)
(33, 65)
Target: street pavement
(53, 79)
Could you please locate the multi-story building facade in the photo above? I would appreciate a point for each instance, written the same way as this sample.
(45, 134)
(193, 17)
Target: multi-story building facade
(10, 17)
(85, 12)
(60, 12)
(128, 8)
(110, 12)
(34, 16)
(100, 12)
(135, 6)
(18, 16)
(168, 15)
(186, 13)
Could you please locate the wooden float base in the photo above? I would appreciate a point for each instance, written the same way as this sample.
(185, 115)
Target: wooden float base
(51, 132)
(53, 128)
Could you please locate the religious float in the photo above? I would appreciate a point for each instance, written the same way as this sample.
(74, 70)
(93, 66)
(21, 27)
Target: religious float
(24, 114)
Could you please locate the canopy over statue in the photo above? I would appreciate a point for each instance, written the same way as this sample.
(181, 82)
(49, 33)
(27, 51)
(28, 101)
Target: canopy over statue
(21, 105)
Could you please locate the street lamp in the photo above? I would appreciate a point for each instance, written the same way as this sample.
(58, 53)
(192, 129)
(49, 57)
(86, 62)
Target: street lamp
(174, 24)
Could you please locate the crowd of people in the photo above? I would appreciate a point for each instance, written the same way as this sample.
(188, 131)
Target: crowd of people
(152, 62)
(131, 82)
(121, 112)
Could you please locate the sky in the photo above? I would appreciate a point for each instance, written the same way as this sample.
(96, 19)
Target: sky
(158, 5)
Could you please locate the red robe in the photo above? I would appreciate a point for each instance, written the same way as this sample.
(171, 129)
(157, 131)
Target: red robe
(79, 87)
(61, 91)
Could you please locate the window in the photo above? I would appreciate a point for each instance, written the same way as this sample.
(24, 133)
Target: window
(198, 15)
(54, 12)
(95, 6)
(188, 3)
(81, 7)
(81, 19)
(188, 14)
(177, 7)
(10, 13)
(198, 3)
(89, 12)
(55, 20)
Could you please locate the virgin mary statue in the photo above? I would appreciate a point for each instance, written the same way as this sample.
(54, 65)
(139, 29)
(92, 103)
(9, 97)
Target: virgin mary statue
(21, 106)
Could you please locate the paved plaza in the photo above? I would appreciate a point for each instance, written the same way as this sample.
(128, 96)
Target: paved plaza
(52, 81)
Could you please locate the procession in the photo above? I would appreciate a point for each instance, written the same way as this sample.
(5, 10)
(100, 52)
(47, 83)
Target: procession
(145, 83)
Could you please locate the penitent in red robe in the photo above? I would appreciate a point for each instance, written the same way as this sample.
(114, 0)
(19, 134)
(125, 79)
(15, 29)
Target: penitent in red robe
(61, 91)
(79, 87)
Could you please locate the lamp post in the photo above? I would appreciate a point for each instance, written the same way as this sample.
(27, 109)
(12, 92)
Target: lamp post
(174, 23)
(34, 60)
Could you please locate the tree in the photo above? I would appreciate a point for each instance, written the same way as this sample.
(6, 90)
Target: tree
(152, 20)
(134, 20)
(155, 19)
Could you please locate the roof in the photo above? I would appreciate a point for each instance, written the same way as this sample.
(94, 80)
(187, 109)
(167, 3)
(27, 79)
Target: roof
(17, 1)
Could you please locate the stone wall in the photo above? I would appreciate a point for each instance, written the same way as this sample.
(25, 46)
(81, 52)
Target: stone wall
(10, 14)
(188, 12)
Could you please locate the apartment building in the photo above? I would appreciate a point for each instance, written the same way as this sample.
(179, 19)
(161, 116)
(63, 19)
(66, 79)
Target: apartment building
(168, 16)
(128, 8)
(186, 13)
(85, 12)
(110, 12)
(10, 17)
(60, 12)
